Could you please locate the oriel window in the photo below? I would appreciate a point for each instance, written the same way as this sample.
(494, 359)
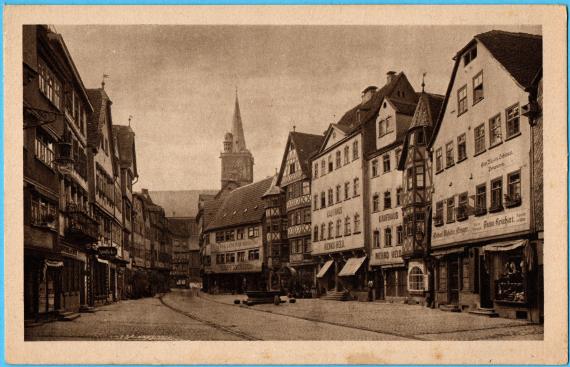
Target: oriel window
(420, 176)
(495, 136)
(478, 87)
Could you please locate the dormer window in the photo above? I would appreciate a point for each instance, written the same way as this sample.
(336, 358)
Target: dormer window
(469, 55)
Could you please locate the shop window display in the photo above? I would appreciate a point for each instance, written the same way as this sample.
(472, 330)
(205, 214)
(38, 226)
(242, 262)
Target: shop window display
(510, 285)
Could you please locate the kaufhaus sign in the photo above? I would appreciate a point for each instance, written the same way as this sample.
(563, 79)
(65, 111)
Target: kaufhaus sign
(387, 256)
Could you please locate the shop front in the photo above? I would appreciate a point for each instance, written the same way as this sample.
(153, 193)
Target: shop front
(389, 274)
(237, 277)
(73, 278)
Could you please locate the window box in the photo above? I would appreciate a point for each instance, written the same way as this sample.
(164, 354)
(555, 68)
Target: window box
(512, 201)
(496, 208)
(480, 211)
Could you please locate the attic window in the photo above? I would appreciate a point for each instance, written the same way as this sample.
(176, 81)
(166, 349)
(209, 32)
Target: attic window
(384, 105)
(469, 55)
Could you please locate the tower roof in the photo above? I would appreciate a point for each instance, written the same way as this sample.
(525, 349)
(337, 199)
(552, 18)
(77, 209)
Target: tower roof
(237, 129)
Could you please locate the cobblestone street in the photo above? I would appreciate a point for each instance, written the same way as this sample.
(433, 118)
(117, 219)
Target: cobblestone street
(189, 315)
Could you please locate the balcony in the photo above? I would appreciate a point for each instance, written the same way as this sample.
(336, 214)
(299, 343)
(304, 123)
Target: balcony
(81, 228)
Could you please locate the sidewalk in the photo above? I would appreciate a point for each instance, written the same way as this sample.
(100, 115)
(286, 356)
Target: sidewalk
(398, 319)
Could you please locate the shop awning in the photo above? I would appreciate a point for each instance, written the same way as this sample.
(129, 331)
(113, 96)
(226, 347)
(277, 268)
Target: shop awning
(53, 263)
(102, 261)
(503, 246)
(351, 266)
(447, 251)
(324, 269)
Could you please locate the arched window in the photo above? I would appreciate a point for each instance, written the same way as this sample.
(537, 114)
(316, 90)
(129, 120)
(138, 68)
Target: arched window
(375, 203)
(323, 229)
(416, 279)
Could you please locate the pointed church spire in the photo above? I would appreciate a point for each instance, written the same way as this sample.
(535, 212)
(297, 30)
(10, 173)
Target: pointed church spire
(237, 128)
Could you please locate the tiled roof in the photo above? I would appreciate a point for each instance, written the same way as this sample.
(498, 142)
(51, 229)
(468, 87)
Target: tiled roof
(403, 107)
(126, 140)
(369, 109)
(98, 98)
(179, 203)
(273, 188)
(306, 146)
(243, 205)
(519, 53)
(210, 209)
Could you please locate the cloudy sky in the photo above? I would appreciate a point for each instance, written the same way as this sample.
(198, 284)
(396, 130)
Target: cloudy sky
(178, 83)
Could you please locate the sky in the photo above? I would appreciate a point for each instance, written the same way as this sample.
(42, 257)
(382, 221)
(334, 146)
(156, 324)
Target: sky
(179, 82)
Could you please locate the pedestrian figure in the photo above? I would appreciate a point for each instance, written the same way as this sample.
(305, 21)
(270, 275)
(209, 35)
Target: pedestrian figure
(244, 284)
(370, 290)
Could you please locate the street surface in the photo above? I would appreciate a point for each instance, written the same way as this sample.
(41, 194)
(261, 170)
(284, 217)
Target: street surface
(190, 315)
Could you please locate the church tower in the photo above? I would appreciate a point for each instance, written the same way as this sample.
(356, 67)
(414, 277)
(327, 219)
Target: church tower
(237, 161)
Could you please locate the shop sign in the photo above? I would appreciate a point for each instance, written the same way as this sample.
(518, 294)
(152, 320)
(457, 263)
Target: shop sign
(481, 227)
(244, 267)
(387, 256)
(388, 216)
(334, 212)
(236, 245)
(342, 244)
(67, 250)
(107, 252)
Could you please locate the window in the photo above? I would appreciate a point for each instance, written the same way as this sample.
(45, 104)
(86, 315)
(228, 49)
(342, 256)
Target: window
(461, 148)
(496, 194)
(438, 220)
(376, 239)
(449, 154)
(450, 210)
(323, 200)
(44, 150)
(316, 173)
(316, 233)
(400, 234)
(389, 127)
(346, 190)
(410, 178)
(241, 256)
(387, 200)
(346, 154)
(462, 206)
(495, 131)
(416, 279)
(356, 223)
(398, 155)
(375, 168)
(315, 202)
(230, 257)
(356, 186)
(292, 168)
(481, 199)
(253, 232)
(347, 226)
(355, 150)
(306, 187)
(330, 230)
(307, 215)
(386, 162)
(43, 213)
(323, 167)
(330, 163)
(49, 85)
(399, 194)
(229, 236)
(376, 203)
(239, 234)
(219, 236)
(478, 87)
(338, 161)
(438, 159)
(479, 139)
(513, 189)
(338, 227)
(331, 201)
(462, 100)
(253, 255)
(420, 177)
(220, 259)
(387, 237)
(338, 193)
(307, 245)
(381, 128)
(513, 118)
(469, 55)
(419, 137)
(323, 229)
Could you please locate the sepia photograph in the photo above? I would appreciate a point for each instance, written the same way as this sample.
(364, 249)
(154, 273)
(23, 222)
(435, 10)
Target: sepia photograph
(284, 182)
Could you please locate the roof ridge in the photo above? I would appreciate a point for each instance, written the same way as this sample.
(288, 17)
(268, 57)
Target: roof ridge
(519, 34)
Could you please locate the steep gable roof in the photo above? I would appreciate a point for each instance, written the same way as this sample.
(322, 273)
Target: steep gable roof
(179, 203)
(243, 205)
(519, 53)
(99, 100)
(127, 152)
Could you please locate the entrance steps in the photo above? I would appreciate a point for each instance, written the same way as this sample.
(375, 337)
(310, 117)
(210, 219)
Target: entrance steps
(482, 311)
(337, 296)
(450, 308)
(68, 316)
(87, 309)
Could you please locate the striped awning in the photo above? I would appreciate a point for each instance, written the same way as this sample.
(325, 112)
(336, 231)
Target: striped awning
(351, 266)
(324, 269)
(503, 246)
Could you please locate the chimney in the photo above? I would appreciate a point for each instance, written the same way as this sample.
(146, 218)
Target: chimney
(367, 93)
(390, 76)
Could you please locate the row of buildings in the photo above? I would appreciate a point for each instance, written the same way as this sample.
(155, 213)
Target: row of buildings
(88, 238)
(426, 198)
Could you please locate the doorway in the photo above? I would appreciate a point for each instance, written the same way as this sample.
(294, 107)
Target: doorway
(485, 300)
(453, 281)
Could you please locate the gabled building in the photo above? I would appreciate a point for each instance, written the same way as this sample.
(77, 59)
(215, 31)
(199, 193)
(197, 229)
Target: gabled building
(340, 190)
(415, 199)
(482, 237)
(295, 180)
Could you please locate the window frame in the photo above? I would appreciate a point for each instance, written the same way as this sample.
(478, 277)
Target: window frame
(386, 166)
(514, 200)
(461, 142)
(475, 87)
(495, 131)
(450, 210)
(462, 101)
(449, 154)
(508, 121)
(496, 206)
(439, 159)
(479, 138)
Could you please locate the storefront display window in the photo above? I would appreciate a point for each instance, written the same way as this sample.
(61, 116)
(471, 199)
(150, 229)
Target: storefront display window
(511, 285)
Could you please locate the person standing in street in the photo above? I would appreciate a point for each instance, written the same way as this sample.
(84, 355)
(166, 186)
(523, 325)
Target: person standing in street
(370, 290)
